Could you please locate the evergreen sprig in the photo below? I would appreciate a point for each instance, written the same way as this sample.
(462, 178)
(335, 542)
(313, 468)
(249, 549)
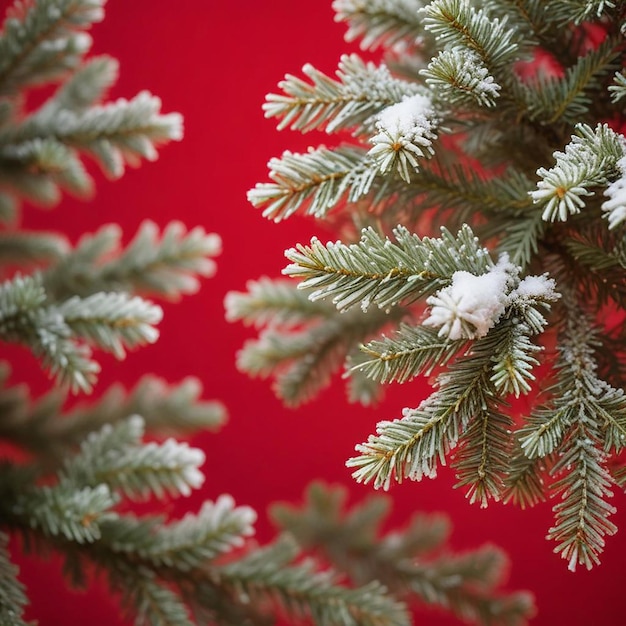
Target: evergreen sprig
(377, 271)
(517, 110)
(305, 341)
(314, 182)
(362, 91)
(41, 40)
(380, 23)
(305, 594)
(589, 160)
(458, 23)
(158, 264)
(413, 561)
(44, 428)
(12, 593)
(62, 333)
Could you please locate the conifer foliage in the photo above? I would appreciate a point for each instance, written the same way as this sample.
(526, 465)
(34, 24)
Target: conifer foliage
(477, 178)
(69, 477)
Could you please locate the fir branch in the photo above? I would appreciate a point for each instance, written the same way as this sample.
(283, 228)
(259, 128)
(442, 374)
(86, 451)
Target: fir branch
(412, 446)
(12, 592)
(524, 483)
(599, 260)
(361, 388)
(589, 160)
(25, 318)
(409, 562)
(306, 593)
(411, 351)
(568, 11)
(459, 194)
(276, 303)
(86, 87)
(383, 273)
(465, 411)
(522, 236)
(326, 104)
(40, 168)
(315, 182)
(8, 208)
(115, 457)
(40, 40)
(154, 604)
(45, 429)
(581, 417)
(111, 321)
(159, 264)
(514, 360)
(457, 23)
(64, 510)
(23, 249)
(304, 362)
(186, 544)
(460, 79)
(114, 133)
(581, 518)
(481, 461)
(618, 88)
(380, 23)
(568, 99)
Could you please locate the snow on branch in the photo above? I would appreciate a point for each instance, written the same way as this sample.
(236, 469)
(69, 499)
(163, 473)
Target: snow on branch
(363, 90)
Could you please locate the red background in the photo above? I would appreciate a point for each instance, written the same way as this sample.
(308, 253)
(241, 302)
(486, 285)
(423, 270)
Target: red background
(214, 61)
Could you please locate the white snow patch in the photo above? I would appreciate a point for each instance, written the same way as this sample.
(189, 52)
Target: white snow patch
(615, 207)
(405, 116)
(472, 304)
(535, 288)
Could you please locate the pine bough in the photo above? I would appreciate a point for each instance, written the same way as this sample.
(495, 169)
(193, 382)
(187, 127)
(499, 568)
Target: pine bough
(70, 477)
(485, 172)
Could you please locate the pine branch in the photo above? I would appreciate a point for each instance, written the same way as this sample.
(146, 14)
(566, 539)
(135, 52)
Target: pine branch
(589, 160)
(380, 23)
(186, 544)
(315, 595)
(568, 99)
(383, 273)
(276, 303)
(411, 351)
(12, 592)
(466, 584)
(457, 23)
(40, 40)
(158, 264)
(315, 182)
(45, 429)
(304, 362)
(326, 104)
(124, 131)
(115, 457)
